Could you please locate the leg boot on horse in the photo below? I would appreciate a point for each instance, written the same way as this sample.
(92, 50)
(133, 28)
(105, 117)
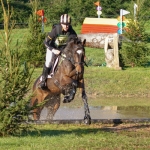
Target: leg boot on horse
(69, 96)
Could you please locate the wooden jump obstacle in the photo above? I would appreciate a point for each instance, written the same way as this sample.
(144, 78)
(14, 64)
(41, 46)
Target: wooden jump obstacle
(102, 33)
(111, 53)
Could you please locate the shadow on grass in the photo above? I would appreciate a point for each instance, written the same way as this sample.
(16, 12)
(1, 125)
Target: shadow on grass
(92, 129)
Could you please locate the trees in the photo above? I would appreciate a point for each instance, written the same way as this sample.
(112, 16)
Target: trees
(78, 9)
(134, 50)
(111, 9)
(21, 8)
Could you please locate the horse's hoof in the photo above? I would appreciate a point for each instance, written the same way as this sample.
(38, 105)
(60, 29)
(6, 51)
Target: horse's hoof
(87, 120)
(66, 99)
(71, 97)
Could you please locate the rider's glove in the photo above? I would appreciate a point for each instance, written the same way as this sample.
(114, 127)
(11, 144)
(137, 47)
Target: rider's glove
(56, 51)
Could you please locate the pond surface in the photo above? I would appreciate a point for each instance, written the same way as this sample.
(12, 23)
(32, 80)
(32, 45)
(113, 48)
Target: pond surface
(103, 112)
(75, 110)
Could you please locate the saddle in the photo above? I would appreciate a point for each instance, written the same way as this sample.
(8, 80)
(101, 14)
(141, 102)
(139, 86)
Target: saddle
(56, 63)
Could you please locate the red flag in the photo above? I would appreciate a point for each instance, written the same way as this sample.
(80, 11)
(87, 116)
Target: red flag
(97, 3)
(40, 12)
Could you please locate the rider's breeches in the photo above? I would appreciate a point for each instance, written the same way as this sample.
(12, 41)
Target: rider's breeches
(49, 55)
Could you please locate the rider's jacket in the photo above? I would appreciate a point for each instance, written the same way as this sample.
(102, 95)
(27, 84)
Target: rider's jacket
(58, 38)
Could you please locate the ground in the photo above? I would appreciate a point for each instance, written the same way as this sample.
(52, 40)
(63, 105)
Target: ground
(135, 127)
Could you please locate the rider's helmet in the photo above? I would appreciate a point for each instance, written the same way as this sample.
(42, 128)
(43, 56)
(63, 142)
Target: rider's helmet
(65, 19)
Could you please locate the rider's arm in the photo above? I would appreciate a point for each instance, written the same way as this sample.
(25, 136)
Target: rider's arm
(48, 42)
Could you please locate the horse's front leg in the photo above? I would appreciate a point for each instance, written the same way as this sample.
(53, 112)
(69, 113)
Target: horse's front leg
(87, 117)
(70, 92)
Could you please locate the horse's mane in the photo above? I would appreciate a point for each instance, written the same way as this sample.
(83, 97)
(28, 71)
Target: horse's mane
(72, 40)
(74, 43)
(68, 50)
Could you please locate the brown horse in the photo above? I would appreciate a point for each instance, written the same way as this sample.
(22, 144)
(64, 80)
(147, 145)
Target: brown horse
(68, 76)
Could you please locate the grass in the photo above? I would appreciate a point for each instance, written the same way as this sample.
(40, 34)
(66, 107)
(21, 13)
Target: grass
(108, 82)
(81, 137)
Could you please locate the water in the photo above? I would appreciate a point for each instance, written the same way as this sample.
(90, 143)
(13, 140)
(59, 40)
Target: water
(75, 110)
(104, 112)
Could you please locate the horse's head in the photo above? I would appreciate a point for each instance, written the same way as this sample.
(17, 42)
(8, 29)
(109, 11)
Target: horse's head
(76, 52)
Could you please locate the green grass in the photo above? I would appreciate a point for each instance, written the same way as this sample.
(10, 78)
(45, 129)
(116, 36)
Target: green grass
(122, 83)
(81, 137)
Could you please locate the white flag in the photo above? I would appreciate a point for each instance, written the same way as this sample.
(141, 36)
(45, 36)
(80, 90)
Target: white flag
(135, 9)
(135, 6)
(124, 12)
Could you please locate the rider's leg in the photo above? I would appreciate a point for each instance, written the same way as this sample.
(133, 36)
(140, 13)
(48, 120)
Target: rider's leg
(45, 73)
(46, 69)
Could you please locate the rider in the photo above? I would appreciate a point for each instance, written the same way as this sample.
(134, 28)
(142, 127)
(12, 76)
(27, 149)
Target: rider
(54, 43)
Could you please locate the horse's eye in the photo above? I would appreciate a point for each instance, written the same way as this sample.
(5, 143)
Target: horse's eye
(79, 51)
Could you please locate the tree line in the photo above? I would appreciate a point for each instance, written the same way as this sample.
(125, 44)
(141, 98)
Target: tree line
(77, 9)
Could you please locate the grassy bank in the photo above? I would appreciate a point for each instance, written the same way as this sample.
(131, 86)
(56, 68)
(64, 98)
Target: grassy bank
(102, 81)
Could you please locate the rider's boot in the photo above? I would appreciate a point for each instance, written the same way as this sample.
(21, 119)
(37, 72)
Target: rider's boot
(45, 73)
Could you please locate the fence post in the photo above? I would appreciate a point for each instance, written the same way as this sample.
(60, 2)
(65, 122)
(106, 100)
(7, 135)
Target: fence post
(111, 53)
(116, 53)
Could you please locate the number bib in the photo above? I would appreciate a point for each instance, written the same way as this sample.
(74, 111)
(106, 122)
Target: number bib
(61, 40)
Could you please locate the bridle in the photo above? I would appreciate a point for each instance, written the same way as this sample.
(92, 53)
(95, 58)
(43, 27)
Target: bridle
(76, 56)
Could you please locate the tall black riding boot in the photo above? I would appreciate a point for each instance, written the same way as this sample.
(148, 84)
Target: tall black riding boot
(45, 73)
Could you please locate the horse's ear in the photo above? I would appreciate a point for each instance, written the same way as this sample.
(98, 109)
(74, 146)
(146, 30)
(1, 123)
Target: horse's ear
(84, 41)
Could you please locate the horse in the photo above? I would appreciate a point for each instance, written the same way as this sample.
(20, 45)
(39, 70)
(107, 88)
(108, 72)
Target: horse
(67, 78)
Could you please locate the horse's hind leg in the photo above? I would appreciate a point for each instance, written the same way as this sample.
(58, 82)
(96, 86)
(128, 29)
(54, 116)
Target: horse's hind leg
(52, 105)
(36, 111)
(39, 96)
(87, 118)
